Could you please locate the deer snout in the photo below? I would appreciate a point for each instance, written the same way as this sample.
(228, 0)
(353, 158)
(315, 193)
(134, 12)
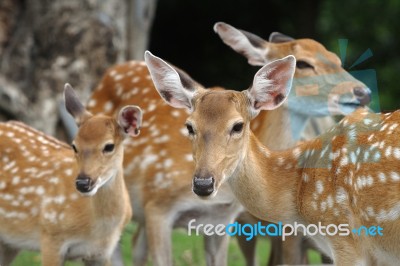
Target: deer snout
(363, 95)
(203, 186)
(83, 183)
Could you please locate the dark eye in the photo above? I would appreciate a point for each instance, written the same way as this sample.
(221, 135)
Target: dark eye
(108, 148)
(237, 128)
(74, 148)
(190, 129)
(300, 64)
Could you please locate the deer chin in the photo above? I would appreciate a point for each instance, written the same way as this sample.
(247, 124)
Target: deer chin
(100, 182)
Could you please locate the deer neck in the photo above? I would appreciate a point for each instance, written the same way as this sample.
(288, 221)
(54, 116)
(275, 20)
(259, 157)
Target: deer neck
(110, 198)
(266, 183)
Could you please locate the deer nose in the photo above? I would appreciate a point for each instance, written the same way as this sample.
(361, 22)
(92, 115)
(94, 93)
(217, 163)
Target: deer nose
(203, 187)
(362, 94)
(83, 183)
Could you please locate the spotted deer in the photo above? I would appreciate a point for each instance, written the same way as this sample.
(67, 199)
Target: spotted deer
(319, 91)
(155, 166)
(69, 203)
(349, 175)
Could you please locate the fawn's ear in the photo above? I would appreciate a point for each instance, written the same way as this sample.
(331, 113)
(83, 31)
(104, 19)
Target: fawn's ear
(74, 105)
(272, 84)
(130, 119)
(175, 86)
(248, 44)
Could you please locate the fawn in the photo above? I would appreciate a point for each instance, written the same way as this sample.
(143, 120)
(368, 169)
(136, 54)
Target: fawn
(69, 203)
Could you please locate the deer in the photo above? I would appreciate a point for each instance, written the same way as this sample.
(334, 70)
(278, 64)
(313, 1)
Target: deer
(349, 175)
(317, 82)
(155, 165)
(67, 201)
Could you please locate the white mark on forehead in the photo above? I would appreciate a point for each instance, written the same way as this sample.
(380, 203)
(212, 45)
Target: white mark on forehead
(305, 178)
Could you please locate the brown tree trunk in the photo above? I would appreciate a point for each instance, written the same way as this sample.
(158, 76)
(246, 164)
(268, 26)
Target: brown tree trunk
(45, 44)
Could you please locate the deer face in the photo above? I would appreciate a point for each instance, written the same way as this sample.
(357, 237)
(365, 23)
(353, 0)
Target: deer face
(98, 143)
(218, 125)
(321, 86)
(98, 149)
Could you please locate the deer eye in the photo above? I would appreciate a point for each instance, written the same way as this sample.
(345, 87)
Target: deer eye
(108, 148)
(300, 64)
(190, 129)
(74, 148)
(237, 128)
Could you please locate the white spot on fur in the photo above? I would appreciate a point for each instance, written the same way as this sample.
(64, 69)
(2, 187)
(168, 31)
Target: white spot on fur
(319, 186)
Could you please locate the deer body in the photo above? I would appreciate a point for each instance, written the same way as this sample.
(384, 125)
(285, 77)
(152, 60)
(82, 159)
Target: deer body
(41, 208)
(329, 180)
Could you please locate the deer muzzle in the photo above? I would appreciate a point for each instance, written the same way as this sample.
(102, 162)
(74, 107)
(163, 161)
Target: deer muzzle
(203, 186)
(84, 183)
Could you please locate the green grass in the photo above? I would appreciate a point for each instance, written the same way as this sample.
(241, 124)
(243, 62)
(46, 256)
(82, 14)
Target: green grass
(187, 251)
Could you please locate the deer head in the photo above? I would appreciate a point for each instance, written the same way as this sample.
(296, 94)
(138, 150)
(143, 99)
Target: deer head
(215, 147)
(98, 143)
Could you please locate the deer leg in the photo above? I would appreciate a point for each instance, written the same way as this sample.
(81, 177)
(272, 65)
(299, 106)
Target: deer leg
(117, 258)
(216, 248)
(100, 262)
(275, 257)
(7, 254)
(158, 230)
(50, 252)
(139, 243)
(292, 251)
(248, 248)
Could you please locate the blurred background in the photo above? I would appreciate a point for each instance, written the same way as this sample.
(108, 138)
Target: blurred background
(44, 44)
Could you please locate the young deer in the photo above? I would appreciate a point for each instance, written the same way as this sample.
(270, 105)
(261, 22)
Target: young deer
(156, 164)
(67, 203)
(349, 175)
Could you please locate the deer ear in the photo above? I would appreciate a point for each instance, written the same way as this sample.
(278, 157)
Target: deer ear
(74, 105)
(130, 120)
(272, 84)
(175, 86)
(248, 44)
(277, 37)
